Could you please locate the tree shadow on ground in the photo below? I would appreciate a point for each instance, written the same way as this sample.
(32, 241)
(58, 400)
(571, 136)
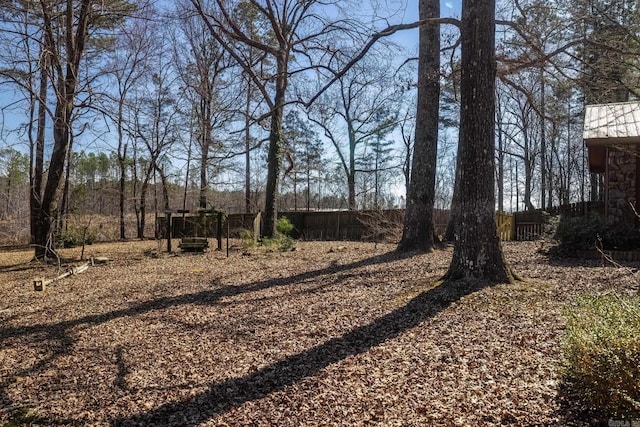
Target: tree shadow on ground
(234, 392)
(207, 297)
(60, 335)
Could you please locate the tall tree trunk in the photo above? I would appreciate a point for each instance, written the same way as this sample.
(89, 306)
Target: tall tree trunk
(47, 214)
(419, 230)
(122, 155)
(144, 188)
(202, 199)
(166, 205)
(528, 171)
(186, 177)
(134, 189)
(295, 191)
(454, 210)
(477, 253)
(64, 204)
(308, 187)
(37, 173)
(142, 209)
(501, 156)
(121, 191)
(351, 185)
(543, 143)
(205, 134)
(274, 158)
(351, 170)
(8, 200)
(567, 199)
(247, 150)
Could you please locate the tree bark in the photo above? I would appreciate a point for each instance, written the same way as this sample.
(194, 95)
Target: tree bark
(142, 210)
(351, 171)
(419, 230)
(142, 222)
(63, 212)
(450, 233)
(122, 156)
(247, 148)
(205, 134)
(274, 158)
(38, 157)
(477, 253)
(166, 204)
(351, 188)
(501, 156)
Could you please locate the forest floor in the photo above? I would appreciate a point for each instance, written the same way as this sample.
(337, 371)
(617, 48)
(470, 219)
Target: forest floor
(333, 333)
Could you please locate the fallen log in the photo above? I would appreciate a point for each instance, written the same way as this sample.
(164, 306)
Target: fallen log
(40, 284)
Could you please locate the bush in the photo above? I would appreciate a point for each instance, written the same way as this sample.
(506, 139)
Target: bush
(283, 240)
(286, 244)
(586, 232)
(579, 232)
(284, 226)
(248, 240)
(551, 224)
(602, 355)
(622, 236)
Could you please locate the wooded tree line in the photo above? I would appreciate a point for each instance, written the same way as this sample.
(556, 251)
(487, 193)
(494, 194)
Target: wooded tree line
(201, 97)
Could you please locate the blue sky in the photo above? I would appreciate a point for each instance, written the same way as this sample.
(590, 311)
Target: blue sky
(409, 38)
(449, 8)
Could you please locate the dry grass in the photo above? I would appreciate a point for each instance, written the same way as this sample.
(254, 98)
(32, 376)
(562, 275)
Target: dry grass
(331, 334)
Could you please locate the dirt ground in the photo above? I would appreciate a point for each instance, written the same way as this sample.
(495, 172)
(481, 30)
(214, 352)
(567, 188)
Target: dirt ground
(333, 333)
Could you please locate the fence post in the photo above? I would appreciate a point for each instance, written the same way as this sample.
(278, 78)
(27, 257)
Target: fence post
(219, 230)
(167, 218)
(256, 226)
(513, 227)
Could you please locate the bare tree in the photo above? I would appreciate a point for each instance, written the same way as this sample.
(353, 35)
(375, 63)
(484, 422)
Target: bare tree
(157, 126)
(303, 152)
(291, 27)
(202, 63)
(518, 125)
(127, 65)
(63, 32)
(363, 104)
(407, 133)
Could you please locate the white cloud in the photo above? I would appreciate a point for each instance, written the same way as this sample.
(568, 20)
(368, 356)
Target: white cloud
(449, 5)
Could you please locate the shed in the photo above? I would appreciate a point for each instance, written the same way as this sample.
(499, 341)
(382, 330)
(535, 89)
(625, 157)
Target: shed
(612, 136)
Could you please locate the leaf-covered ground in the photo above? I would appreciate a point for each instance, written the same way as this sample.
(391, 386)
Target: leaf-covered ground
(330, 334)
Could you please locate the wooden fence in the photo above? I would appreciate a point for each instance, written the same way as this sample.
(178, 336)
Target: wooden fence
(506, 226)
(528, 225)
(578, 209)
(375, 225)
(347, 225)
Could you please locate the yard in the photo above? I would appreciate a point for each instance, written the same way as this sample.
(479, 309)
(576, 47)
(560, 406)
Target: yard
(333, 333)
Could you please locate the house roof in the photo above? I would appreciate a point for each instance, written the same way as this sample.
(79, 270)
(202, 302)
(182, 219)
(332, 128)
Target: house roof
(612, 123)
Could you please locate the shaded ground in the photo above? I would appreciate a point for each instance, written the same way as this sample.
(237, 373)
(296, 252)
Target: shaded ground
(331, 334)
